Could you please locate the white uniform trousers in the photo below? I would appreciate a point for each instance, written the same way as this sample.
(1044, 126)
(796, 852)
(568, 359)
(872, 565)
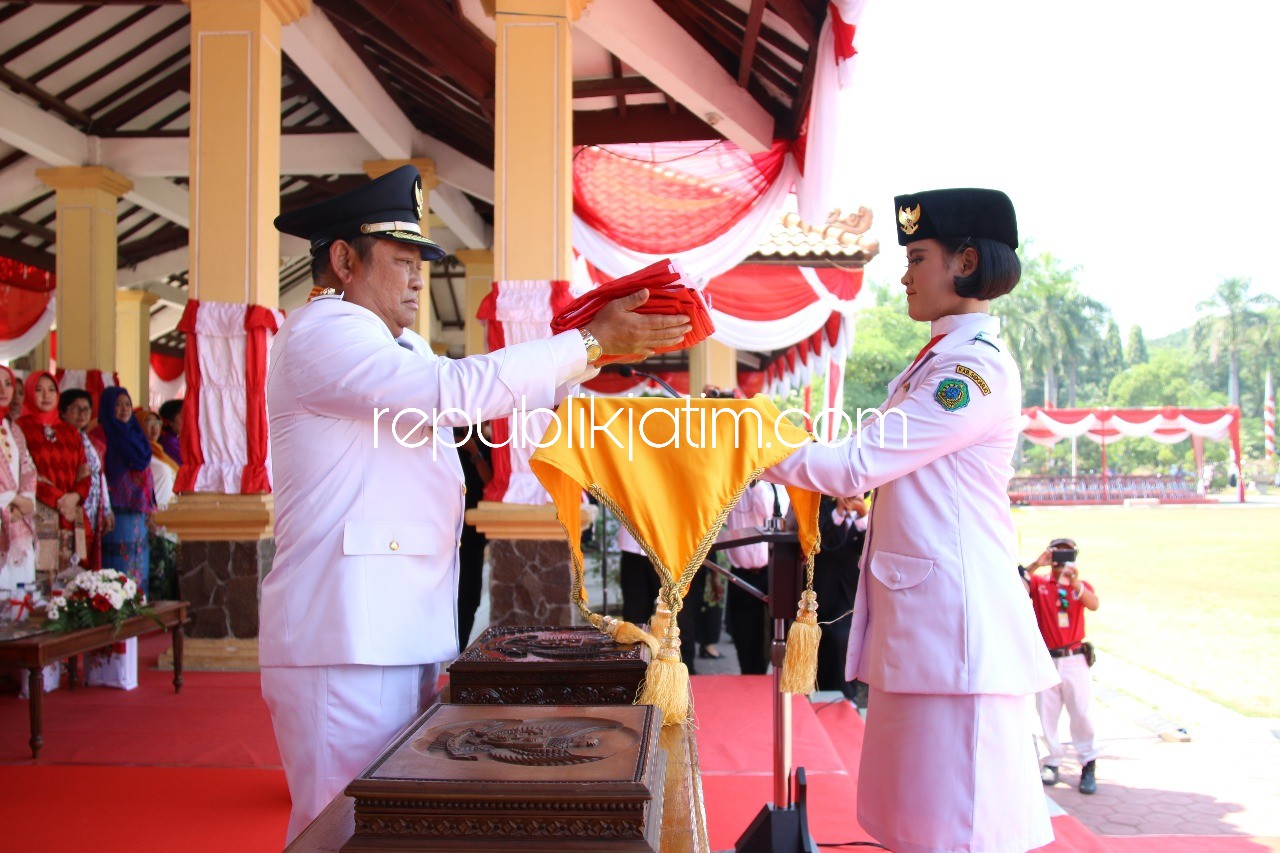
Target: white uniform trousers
(951, 773)
(1076, 692)
(332, 721)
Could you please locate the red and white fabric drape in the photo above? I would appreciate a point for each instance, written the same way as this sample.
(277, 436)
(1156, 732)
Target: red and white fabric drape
(225, 445)
(1167, 425)
(92, 381)
(516, 311)
(827, 131)
(168, 380)
(706, 204)
(27, 307)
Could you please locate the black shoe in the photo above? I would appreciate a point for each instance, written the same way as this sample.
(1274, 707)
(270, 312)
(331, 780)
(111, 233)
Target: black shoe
(1088, 782)
(1049, 774)
(709, 654)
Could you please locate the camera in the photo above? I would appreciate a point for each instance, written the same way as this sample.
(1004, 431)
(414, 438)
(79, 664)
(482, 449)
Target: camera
(1062, 556)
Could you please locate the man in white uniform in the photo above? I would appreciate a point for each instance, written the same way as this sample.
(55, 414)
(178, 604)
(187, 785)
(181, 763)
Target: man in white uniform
(358, 610)
(941, 632)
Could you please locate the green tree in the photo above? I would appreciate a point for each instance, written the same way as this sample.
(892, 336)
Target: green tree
(1111, 355)
(1232, 320)
(1165, 380)
(1137, 349)
(1052, 328)
(886, 341)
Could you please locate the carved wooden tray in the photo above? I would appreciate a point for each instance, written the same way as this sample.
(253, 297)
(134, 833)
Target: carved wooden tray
(515, 777)
(547, 666)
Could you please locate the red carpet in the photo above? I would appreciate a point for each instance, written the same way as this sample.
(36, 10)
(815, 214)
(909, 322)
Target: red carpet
(218, 720)
(132, 809)
(148, 769)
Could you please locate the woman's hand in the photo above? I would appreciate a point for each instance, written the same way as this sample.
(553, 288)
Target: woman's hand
(108, 523)
(23, 506)
(67, 505)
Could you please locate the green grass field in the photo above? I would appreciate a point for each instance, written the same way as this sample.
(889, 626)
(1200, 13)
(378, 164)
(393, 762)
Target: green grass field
(1191, 593)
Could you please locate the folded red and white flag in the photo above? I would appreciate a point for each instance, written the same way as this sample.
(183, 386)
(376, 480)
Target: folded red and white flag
(669, 293)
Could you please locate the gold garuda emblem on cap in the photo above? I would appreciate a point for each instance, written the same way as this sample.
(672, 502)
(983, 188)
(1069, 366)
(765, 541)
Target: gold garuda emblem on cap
(417, 198)
(909, 219)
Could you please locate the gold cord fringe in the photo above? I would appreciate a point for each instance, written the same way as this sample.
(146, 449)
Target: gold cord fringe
(800, 666)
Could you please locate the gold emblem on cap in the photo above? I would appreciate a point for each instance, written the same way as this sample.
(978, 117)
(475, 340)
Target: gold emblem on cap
(909, 220)
(417, 197)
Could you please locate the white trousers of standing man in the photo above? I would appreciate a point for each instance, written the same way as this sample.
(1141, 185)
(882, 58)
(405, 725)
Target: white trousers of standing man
(1076, 693)
(332, 721)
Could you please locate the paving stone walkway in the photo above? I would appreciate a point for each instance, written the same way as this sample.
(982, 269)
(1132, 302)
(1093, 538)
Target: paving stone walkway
(1220, 777)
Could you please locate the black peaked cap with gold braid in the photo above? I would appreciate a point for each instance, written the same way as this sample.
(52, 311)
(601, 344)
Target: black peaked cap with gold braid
(389, 207)
(956, 213)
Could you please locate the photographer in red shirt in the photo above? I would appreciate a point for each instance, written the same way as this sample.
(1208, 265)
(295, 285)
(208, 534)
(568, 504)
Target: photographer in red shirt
(1059, 599)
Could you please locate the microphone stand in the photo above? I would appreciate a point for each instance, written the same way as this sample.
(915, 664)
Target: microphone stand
(628, 372)
(781, 826)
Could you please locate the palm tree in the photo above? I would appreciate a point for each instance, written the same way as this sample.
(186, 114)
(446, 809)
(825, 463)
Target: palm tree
(1051, 327)
(1227, 328)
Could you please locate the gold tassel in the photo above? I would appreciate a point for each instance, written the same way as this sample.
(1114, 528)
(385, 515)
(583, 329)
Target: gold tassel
(800, 666)
(661, 618)
(626, 633)
(666, 681)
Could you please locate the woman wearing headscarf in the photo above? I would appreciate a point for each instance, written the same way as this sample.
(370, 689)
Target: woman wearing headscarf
(17, 496)
(62, 470)
(164, 545)
(129, 483)
(75, 407)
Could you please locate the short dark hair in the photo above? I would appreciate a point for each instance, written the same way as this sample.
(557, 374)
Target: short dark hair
(170, 409)
(69, 396)
(998, 269)
(320, 266)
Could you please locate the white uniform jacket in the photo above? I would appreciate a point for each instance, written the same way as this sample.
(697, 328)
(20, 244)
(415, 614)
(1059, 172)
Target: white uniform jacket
(367, 529)
(940, 608)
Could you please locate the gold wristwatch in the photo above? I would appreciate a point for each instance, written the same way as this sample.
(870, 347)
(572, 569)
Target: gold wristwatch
(594, 350)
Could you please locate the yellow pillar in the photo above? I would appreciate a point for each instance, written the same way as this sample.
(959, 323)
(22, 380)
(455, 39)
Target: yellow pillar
(235, 148)
(87, 201)
(479, 280)
(712, 363)
(534, 143)
(133, 343)
(427, 323)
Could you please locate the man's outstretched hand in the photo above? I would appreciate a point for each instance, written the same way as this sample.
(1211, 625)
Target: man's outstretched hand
(621, 331)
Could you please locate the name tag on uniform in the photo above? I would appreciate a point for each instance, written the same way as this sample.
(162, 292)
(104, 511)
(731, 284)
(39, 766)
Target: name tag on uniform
(1064, 621)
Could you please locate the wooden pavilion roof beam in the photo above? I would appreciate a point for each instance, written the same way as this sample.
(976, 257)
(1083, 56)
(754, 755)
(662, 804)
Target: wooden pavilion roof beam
(643, 36)
(321, 53)
(56, 143)
(754, 18)
(444, 39)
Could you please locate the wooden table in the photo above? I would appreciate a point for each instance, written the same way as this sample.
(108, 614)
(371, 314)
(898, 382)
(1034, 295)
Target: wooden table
(684, 818)
(35, 653)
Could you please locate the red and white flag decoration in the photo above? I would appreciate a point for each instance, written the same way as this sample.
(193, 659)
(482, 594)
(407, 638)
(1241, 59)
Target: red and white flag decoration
(516, 311)
(1269, 419)
(224, 438)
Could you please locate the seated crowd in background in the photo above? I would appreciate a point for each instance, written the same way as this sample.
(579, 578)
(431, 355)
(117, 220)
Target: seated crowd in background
(76, 492)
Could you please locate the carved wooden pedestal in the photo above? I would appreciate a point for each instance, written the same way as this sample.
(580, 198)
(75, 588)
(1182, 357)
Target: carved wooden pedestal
(516, 777)
(547, 666)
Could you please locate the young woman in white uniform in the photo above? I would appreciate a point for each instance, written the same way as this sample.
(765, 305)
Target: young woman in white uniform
(941, 629)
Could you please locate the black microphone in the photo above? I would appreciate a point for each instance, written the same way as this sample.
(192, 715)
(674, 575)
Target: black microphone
(628, 371)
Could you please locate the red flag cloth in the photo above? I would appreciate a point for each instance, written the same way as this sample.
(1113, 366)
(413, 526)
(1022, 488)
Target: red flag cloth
(668, 294)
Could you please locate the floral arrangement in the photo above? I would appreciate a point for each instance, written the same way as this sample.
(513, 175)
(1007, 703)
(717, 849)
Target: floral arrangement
(96, 598)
